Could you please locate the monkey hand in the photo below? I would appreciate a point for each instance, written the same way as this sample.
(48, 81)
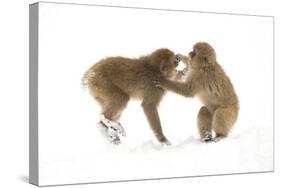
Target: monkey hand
(179, 57)
(157, 84)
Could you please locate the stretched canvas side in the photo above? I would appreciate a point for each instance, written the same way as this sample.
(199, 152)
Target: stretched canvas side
(33, 94)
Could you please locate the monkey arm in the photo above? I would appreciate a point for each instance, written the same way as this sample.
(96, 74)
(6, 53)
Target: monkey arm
(149, 105)
(182, 88)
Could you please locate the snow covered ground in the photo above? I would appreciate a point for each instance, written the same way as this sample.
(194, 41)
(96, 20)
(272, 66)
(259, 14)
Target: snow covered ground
(83, 155)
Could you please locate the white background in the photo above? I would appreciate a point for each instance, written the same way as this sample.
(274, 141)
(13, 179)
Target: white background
(14, 81)
(73, 37)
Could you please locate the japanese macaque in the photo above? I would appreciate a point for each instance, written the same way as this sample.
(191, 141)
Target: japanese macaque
(113, 81)
(207, 80)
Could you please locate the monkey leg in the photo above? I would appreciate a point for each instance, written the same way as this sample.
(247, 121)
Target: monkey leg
(150, 110)
(115, 105)
(204, 124)
(111, 114)
(113, 102)
(223, 120)
(116, 126)
(110, 97)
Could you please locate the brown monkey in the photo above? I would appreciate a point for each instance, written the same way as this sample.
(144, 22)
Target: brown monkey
(113, 81)
(207, 80)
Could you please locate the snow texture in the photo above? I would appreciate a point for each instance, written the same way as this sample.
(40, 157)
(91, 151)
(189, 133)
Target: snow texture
(92, 158)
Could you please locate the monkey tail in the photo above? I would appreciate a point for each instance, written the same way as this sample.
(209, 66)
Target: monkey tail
(85, 79)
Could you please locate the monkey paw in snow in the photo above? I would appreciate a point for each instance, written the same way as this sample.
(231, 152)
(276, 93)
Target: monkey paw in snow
(218, 138)
(113, 136)
(207, 137)
(163, 140)
(166, 143)
(109, 133)
(117, 127)
(113, 125)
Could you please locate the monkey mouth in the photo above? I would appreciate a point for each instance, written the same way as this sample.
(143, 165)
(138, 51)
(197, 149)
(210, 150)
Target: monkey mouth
(188, 58)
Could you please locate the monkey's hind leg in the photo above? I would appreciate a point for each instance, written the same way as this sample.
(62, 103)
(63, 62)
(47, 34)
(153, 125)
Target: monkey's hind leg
(223, 121)
(204, 124)
(114, 103)
(116, 126)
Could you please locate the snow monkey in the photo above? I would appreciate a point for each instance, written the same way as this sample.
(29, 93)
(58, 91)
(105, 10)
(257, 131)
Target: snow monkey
(207, 80)
(113, 81)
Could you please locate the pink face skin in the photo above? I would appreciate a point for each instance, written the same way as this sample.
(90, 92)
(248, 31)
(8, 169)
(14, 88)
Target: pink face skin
(190, 57)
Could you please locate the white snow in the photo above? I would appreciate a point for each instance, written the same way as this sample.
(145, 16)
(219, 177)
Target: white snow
(86, 156)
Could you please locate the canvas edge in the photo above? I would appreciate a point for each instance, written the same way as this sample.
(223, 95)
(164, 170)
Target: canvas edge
(33, 94)
(156, 9)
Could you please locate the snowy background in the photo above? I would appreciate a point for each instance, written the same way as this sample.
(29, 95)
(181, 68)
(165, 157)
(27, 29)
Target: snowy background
(71, 150)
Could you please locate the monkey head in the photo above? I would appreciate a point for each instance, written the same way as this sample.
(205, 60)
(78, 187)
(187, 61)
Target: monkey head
(202, 55)
(166, 61)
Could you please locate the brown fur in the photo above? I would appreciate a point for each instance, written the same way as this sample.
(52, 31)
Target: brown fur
(113, 81)
(207, 80)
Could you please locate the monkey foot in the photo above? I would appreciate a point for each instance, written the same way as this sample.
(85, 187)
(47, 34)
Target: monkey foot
(207, 137)
(166, 143)
(116, 141)
(218, 138)
(113, 136)
(109, 133)
(113, 125)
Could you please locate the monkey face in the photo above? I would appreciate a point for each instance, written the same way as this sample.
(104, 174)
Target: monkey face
(202, 55)
(168, 68)
(175, 61)
(167, 61)
(192, 57)
(192, 54)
